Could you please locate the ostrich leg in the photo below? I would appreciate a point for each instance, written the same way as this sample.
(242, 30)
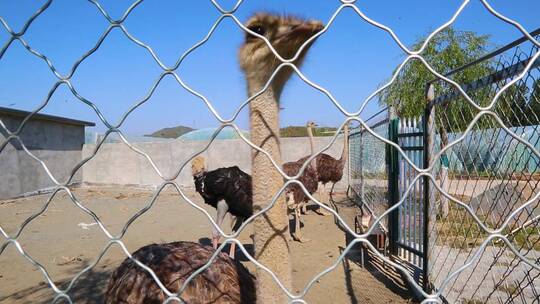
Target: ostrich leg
(237, 223)
(232, 251)
(297, 236)
(322, 198)
(222, 209)
(303, 208)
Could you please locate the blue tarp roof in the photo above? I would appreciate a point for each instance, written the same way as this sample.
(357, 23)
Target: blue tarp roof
(206, 134)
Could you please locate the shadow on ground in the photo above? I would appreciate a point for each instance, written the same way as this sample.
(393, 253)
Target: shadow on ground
(89, 288)
(375, 269)
(376, 281)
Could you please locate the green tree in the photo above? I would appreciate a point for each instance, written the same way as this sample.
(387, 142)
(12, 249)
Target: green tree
(512, 106)
(535, 96)
(519, 105)
(533, 106)
(445, 52)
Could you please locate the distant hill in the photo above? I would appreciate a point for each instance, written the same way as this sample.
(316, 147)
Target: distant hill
(301, 131)
(173, 132)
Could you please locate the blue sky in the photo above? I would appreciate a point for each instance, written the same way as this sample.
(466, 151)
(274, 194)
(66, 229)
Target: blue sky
(350, 60)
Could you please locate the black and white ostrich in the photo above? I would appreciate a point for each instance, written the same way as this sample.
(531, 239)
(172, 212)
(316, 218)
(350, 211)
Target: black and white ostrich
(296, 197)
(226, 189)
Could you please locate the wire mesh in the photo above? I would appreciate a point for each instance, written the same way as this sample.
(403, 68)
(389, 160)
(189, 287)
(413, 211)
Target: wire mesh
(490, 234)
(494, 174)
(368, 171)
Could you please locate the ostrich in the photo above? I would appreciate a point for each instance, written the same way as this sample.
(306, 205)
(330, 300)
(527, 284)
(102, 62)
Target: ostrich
(330, 169)
(297, 198)
(286, 35)
(224, 281)
(226, 189)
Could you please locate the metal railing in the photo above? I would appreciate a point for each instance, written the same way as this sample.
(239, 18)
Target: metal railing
(411, 214)
(447, 276)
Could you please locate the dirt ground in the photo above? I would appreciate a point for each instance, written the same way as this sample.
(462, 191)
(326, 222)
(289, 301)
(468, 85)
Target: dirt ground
(65, 241)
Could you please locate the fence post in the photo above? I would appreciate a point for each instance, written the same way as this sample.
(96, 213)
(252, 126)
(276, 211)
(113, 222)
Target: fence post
(393, 176)
(361, 165)
(350, 162)
(429, 195)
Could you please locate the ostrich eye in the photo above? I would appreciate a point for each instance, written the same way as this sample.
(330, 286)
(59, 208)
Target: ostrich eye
(259, 29)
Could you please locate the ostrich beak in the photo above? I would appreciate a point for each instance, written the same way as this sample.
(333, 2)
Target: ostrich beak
(306, 30)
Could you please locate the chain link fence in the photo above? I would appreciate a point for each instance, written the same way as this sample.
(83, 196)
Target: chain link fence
(368, 170)
(494, 174)
(492, 228)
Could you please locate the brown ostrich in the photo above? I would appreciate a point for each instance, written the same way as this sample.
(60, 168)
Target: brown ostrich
(286, 35)
(224, 281)
(330, 170)
(297, 198)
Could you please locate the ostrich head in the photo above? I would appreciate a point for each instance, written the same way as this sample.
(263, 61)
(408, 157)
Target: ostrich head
(197, 166)
(311, 124)
(286, 34)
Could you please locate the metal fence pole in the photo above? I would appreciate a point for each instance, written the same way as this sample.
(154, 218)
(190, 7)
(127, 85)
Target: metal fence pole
(361, 165)
(393, 176)
(429, 142)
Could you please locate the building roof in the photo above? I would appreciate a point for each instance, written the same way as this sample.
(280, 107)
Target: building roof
(206, 134)
(39, 116)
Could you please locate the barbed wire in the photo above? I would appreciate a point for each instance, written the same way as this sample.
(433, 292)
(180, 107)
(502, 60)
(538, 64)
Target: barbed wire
(495, 233)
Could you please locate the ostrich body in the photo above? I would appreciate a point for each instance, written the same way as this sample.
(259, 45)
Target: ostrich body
(329, 169)
(226, 189)
(286, 35)
(296, 196)
(224, 281)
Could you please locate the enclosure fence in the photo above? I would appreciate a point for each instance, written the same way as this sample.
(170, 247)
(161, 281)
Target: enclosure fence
(494, 174)
(445, 278)
(368, 174)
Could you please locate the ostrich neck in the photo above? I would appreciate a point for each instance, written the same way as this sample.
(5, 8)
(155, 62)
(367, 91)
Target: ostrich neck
(271, 247)
(310, 135)
(313, 163)
(345, 151)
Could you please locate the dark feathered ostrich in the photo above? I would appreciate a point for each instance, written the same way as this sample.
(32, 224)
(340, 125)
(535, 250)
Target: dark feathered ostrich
(296, 197)
(226, 189)
(224, 281)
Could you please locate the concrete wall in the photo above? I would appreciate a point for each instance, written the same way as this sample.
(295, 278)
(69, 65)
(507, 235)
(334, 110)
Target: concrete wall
(116, 163)
(58, 145)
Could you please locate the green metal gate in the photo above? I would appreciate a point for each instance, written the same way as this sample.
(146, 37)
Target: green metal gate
(408, 222)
